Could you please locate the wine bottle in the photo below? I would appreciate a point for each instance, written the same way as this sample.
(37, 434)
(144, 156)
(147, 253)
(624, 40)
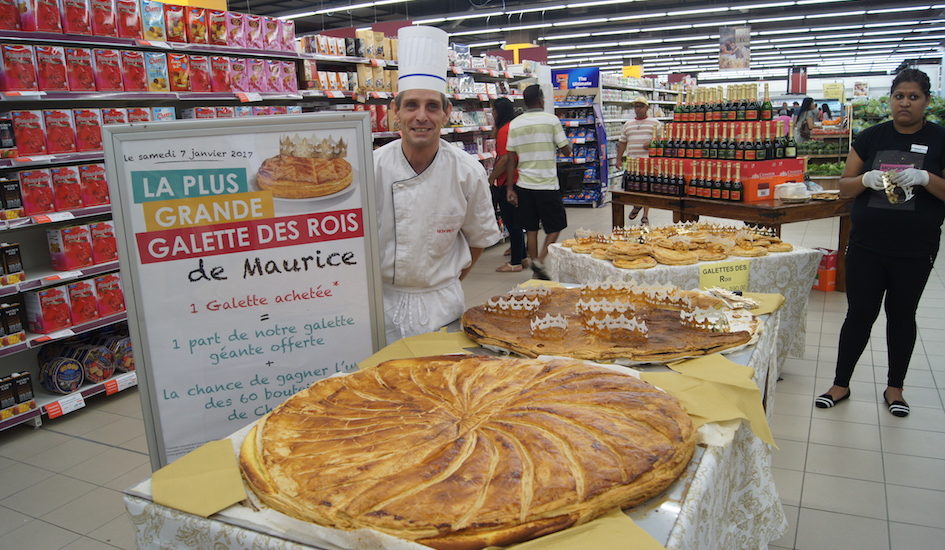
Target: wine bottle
(779, 142)
(664, 141)
(713, 142)
(742, 112)
(677, 109)
(736, 194)
(770, 152)
(653, 150)
(760, 151)
(790, 146)
(726, 185)
(751, 111)
(679, 185)
(739, 145)
(714, 184)
(697, 143)
(767, 112)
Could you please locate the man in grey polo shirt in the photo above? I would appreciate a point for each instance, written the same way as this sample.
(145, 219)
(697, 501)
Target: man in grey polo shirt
(534, 139)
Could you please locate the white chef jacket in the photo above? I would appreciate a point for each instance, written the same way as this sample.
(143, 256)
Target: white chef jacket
(427, 222)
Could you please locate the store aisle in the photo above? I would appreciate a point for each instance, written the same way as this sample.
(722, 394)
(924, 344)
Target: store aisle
(853, 477)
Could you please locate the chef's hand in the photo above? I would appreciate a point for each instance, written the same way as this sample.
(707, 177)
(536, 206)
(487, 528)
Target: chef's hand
(910, 177)
(874, 180)
(512, 196)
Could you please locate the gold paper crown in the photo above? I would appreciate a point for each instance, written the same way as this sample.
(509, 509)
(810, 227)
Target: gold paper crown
(302, 147)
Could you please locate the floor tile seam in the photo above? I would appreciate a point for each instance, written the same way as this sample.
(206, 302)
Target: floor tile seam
(119, 494)
(925, 488)
(61, 505)
(882, 462)
(102, 442)
(96, 540)
(834, 511)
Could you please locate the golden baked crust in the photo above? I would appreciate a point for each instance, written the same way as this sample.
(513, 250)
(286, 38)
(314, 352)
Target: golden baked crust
(291, 177)
(780, 247)
(463, 452)
(639, 262)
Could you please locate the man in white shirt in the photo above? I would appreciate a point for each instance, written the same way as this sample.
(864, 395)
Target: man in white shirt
(635, 137)
(435, 211)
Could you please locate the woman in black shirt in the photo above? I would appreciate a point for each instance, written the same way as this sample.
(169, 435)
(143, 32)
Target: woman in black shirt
(892, 246)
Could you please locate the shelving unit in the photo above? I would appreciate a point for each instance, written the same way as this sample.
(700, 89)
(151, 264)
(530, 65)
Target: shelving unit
(583, 176)
(837, 142)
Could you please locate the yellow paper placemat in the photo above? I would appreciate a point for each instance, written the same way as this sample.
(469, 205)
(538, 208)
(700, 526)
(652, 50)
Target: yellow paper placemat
(767, 303)
(202, 482)
(540, 283)
(612, 531)
(431, 343)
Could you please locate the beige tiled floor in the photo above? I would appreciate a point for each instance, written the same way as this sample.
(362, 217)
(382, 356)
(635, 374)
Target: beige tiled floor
(852, 477)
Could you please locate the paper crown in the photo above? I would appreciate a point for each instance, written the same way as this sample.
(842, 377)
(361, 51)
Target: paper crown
(423, 58)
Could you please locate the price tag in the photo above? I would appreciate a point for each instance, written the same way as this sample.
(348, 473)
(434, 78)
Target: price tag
(458, 70)
(378, 63)
(121, 382)
(493, 73)
(728, 275)
(578, 141)
(483, 97)
(337, 94)
(571, 123)
(25, 93)
(63, 276)
(30, 160)
(507, 74)
(53, 217)
(248, 97)
(64, 333)
(579, 161)
(458, 96)
(65, 405)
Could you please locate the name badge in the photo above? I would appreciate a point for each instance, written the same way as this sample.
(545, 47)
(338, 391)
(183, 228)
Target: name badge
(921, 149)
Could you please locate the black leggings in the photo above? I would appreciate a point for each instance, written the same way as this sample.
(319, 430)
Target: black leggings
(869, 276)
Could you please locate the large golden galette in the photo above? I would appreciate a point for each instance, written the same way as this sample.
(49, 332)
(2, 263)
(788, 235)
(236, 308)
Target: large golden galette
(463, 452)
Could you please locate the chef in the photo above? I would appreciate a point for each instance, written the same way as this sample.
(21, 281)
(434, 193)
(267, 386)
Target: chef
(434, 207)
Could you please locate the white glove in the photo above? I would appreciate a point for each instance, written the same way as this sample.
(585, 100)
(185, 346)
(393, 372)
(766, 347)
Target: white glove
(910, 177)
(874, 180)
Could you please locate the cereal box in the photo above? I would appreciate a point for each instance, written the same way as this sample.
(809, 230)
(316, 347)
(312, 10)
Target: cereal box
(133, 71)
(103, 17)
(60, 131)
(12, 199)
(37, 191)
(163, 114)
(241, 111)
(111, 298)
(253, 31)
(75, 17)
(39, 15)
(178, 71)
(272, 38)
(155, 66)
(94, 186)
(47, 309)
(88, 129)
(67, 189)
(258, 77)
(235, 29)
(29, 132)
(220, 74)
(128, 19)
(225, 112)
(80, 74)
(175, 24)
(51, 68)
(82, 301)
(152, 20)
(139, 114)
(113, 115)
(199, 113)
(239, 75)
(9, 16)
(216, 27)
(199, 73)
(107, 67)
(69, 247)
(287, 28)
(289, 78)
(196, 19)
(17, 68)
(104, 247)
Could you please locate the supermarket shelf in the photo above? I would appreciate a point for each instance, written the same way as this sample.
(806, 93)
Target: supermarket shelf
(49, 278)
(483, 156)
(32, 412)
(574, 161)
(566, 200)
(464, 129)
(47, 401)
(380, 135)
(490, 73)
(40, 219)
(43, 160)
(244, 97)
(839, 156)
(639, 88)
(582, 141)
(565, 104)
(621, 120)
(576, 123)
(36, 340)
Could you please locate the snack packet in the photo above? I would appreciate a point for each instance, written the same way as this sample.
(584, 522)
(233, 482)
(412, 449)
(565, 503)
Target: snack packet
(197, 25)
(88, 129)
(36, 191)
(134, 75)
(94, 187)
(155, 64)
(199, 73)
(103, 18)
(60, 131)
(175, 24)
(216, 27)
(128, 19)
(220, 74)
(51, 68)
(152, 20)
(29, 132)
(17, 68)
(107, 66)
(80, 73)
(75, 17)
(67, 189)
(178, 71)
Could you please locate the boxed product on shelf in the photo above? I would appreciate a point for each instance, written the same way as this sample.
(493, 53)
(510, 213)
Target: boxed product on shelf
(7, 396)
(17, 68)
(47, 309)
(37, 192)
(196, 21)
(94, 186)
(70, 247)
(134, 77)
(12, 263)
(51, 68)
(201, 113)
(114, 115)
(88, 129)
(256, 80)
(216, 27)
(97, 362)
(272, 38)
(107, 66)
(239, 75)
(60, 131)
(200, 73)
(7, 137)
(67, 187)
(220, 73)
(82, 301)
(252, 31)
(178, 72)
(9, 16)
(11, 321)
(290, 81)
(102, 14)
(139, 114)
(175, 25)
(111, 297)
(75, 16)
(12, 200)
(278, 110)
(241, 111)
(274, 75)
(80, 73)
(61, 375)
(119, 343)
(128, 19)
(293, 109)
(152, 20)
(261, 111)
(39, 15)
(163, 114)
(155, 65)
(287, 28)
(224, 112)
(22, 386)
(235, 29)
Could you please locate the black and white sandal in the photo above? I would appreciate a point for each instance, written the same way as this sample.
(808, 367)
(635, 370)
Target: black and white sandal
(897, 408)
(825, 401)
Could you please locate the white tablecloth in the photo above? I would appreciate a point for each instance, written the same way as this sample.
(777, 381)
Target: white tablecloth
(725, 499)
(790, 274)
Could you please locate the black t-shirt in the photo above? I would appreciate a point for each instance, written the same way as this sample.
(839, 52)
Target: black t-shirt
(911, 228)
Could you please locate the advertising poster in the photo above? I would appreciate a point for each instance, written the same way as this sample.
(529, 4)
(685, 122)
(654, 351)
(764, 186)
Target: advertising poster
(248, 264)
(861, 88)
(576, 79)
(735, 47)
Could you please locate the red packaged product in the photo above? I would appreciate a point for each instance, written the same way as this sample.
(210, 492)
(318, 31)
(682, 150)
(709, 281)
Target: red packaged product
(60, 131)
(9, 16)
(111, 298)
(107, 65)
(216, 27)
(252, 31)
(29, 132)
(88, 129)
(197, 25)
(178, 71)
(103, 18)
(290, 82)
(67, 188)
(225, 112)
(81, 76)
(220, 73)
(236, 30)
(274, 76)
(133, 76)
(83, 301)
(199, 73)
(128, 18)
(239, 75)
(114, 116)
(175, 27)
(37, 191)
(48, 310)
(94, 185)
(288, 35)
(75, 17)
(278, 110)
(272, 34)
(104, 246)
(40, 15)
(69, 247)
(139, 114)
(17, 68)
(257, 75)
(51, 68)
